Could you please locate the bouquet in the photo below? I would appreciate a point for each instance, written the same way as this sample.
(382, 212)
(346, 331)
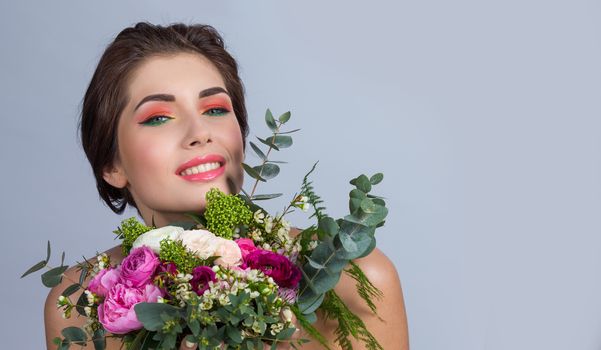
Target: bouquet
(232, 277)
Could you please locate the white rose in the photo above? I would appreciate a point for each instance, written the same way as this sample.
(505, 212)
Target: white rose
(229, 253)
(201, 242)
(153, 238)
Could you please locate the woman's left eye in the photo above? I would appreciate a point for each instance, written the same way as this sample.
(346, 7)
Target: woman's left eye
(217, 111)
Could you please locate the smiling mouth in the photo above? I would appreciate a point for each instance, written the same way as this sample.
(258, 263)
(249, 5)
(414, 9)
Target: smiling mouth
(202, 168)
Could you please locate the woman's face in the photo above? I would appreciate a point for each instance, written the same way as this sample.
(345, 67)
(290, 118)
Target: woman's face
(178, 137)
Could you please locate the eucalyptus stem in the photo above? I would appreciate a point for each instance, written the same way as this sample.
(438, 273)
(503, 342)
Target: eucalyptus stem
(272, 143)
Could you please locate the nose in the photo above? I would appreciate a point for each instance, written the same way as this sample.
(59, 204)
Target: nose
(197, 132)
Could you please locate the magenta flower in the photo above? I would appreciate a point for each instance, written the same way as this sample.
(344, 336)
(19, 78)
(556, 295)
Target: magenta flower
(278, 267)
(117, 313)
(104, 281)
(201, 276)
(137, 269)
(246, 246)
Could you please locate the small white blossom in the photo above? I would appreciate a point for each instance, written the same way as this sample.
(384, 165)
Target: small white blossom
(88, 310)
(276, 328)
(259, 216)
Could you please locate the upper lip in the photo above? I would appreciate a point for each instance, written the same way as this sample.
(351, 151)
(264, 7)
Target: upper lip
(208, 158)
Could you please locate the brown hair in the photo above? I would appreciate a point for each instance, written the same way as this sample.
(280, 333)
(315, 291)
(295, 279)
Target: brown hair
(106, 96)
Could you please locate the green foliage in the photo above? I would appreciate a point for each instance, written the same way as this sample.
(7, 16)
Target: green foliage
(367, 291)
(224, 212)
(305, 323)
(349, 324)
(129, 230)
(177, 253)
(315, 201)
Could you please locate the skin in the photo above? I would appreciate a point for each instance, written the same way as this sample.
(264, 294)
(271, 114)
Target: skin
(179, 130)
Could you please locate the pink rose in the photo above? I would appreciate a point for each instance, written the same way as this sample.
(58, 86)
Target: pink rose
(117, 313)
(229, 253)
(137, 269)
(104, 281)
(246, 246)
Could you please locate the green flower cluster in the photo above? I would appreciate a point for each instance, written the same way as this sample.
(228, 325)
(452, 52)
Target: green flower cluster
(177, 253)
(224, 212)
(129, 230)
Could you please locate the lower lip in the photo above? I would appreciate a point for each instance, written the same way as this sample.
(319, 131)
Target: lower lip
(205, 176)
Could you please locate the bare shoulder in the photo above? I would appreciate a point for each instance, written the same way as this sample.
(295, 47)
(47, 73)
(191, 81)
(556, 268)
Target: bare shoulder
(53, 318)
(390, 329)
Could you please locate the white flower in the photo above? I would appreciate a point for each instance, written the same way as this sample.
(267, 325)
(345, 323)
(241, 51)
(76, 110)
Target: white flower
(202, 243)
(286, 314)
(87, 310)
(229, 253)
(259, 216)
(152, 239)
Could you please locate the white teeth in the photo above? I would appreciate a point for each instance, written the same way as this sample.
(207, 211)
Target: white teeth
(200, 168)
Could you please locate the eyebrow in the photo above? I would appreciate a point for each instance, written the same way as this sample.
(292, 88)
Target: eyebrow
(170, 98)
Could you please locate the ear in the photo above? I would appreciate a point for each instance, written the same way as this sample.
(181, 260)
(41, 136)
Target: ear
(115, 175)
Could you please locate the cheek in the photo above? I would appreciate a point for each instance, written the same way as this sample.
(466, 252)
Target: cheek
(145, 156)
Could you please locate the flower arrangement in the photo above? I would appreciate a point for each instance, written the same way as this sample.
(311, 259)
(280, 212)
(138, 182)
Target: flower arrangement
(234, 276)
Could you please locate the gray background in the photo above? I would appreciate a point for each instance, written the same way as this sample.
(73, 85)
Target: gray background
(484, 117)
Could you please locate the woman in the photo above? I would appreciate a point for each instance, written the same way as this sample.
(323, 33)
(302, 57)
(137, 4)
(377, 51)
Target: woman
(166, 99)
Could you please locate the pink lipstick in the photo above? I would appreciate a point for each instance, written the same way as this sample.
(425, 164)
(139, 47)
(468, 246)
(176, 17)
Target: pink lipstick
(203, 175)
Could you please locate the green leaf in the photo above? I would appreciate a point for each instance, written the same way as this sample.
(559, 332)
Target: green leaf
(328, 225)
(70, 290)
(355, 239)
(48, 252)
(53, 277)
(284, 117)
(314, 263)
(261, 197)
(270, 120)
(83, 273)
(268, 144)
(267, 170)
(368, 219)
(99, 340)
(258, 151)
(75, 335)
(309, 302)
(234, 334)
(288, 132)
(281, 141)
(150, 314)
(376, 178)
(35, 268)
(285, 333)
(252, 172)
(81, 303)
(356, 197)
(368, 206)
(362, 183)
(62, 258)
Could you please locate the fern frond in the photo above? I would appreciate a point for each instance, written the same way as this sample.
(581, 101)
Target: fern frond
(315, 201)
(366, 290)
(348, 323)
(308, 327)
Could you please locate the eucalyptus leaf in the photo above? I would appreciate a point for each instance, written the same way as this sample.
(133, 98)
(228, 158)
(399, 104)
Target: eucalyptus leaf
(48, 252)
(82, 302)
(311, 317)
(267, 170)
(35, 268)
(62, 258)
(356, 197)
(328, 225)
(281, 141)
(285, 333)
(268, 144)
(376, 178)
(71, 289)
(277, 162)
(314, 263)
(362, 183)
(309, 302)
(288, 132)
(258, 151)
(75, 335)
(99, 339)
(261, 197)
(368, 219)
(368, 206)
(284, 117)
(83, 274)
(151, 314)
(270, 120)
(53, 277)
(252, 172)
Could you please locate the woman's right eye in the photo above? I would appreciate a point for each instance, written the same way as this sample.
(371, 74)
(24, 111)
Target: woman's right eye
(156, 120)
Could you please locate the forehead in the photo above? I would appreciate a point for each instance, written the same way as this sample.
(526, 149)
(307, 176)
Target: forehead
(174, 74)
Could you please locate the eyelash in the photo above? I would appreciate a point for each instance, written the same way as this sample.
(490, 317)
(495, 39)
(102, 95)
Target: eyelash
(152, 121)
